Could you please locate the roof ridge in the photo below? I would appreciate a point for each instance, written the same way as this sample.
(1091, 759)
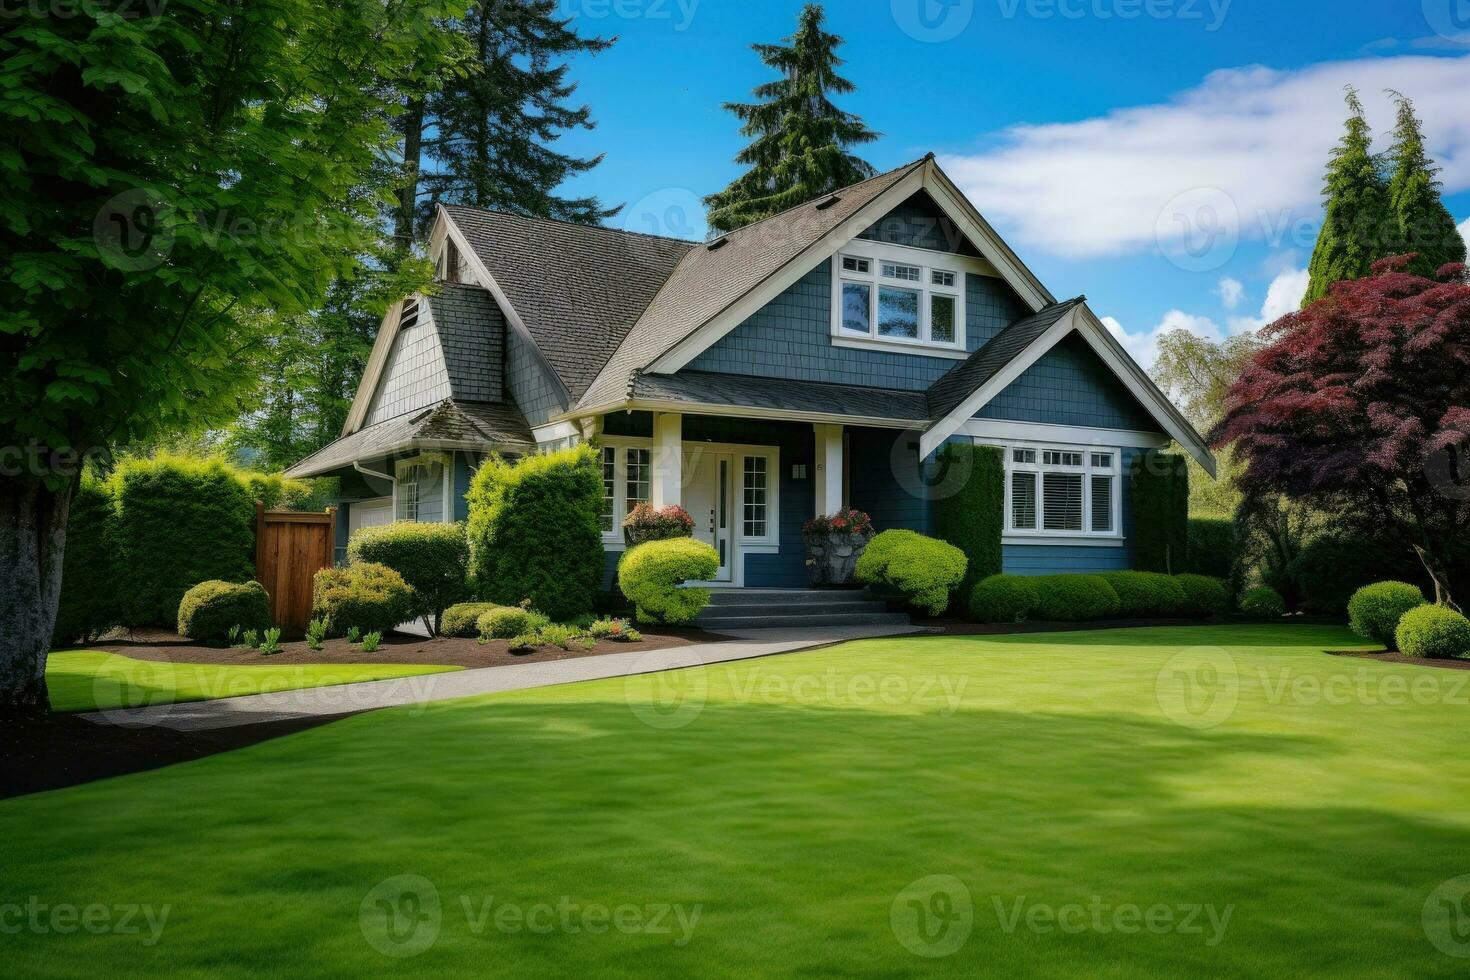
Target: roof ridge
(573, 224)
(820, 197)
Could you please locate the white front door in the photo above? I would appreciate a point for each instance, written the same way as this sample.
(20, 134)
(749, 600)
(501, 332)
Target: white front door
(709, 497)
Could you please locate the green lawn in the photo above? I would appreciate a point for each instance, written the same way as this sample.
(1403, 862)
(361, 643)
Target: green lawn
(1190, 802)
(87, 680)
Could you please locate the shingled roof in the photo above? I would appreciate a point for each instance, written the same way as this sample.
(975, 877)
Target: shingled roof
(472, 338)
(578, 289)
(710, 279)
(743, 391)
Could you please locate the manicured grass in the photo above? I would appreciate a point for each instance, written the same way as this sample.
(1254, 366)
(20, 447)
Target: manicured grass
(796, 801)
(88, 680)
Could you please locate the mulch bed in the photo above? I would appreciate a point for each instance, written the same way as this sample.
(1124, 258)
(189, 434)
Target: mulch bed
(1399, 658)
(397, 648)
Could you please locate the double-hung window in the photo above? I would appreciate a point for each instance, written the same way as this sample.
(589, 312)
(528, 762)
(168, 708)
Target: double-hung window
(917, 301)
(1062, 491)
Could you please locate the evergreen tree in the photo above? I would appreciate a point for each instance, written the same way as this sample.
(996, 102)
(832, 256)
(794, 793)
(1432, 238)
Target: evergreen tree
(801, 138)
(487, 137)
(1356, 230)
(1424, 225)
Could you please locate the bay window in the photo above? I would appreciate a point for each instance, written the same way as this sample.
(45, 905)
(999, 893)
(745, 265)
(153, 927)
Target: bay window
(1062, 492)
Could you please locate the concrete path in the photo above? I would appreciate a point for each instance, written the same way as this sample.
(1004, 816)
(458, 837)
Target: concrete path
(426, 688)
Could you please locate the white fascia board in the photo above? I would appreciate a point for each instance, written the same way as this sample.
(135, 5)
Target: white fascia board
(512, 317)
(754, 300)
(556, 430)
(1007, 432)
(745, 412)
(1142, 387)
(980, 397)
(373, 370)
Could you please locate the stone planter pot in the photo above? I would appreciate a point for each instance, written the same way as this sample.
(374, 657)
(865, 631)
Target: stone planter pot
(831, 558)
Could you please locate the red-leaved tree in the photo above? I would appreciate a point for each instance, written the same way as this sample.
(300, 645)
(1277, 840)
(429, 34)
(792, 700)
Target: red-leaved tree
(1360, 405)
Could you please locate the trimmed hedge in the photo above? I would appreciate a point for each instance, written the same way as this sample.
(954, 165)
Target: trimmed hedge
(209, 610)
(462, 619)
(1204, 596)
(1160, 488)
(1434, 631)
(651, 576)
(1004, 599)
(1212, 547)
(372, 597)
(972, 518)
(90, 597)
(1263, 602)
(1374, 610)
(1146, 593)
(179, 522)
(1074, 598)
(432, 558)
(923, 570)
(535, 531)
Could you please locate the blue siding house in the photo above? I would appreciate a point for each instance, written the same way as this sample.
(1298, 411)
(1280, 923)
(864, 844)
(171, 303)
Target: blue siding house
(814, 360)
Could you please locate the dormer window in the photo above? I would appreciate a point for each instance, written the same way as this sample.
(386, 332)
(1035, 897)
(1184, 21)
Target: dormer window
(914, 299)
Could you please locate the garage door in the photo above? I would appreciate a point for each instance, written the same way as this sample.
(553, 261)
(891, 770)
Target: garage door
(369, 513)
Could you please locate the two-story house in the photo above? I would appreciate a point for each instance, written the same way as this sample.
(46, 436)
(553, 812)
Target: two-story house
(815, 359)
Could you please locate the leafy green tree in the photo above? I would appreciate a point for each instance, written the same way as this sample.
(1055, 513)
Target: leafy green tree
(801, 140)
(1358, 227)
(1425, 227)
(174, 176)
(486, 138)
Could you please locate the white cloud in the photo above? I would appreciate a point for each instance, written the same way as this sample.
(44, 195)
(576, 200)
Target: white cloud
(1282, 297)
(1260, 136)
(1464, 227)
(1230, 292)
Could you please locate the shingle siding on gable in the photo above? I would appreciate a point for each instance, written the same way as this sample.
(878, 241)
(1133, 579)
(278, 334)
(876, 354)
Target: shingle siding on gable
(919, 223)
(416, 376)
(792, 338)
(1070, 385)
(533, 389)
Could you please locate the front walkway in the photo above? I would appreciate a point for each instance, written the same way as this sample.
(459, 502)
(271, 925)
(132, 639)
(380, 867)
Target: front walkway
(344, 699)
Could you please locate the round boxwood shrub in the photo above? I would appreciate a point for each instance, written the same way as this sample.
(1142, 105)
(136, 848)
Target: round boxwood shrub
(1374, 610)
(1075, 598)
(372, 597)
(432, 559)
(1434, 631)
(1003, 599)
(1146, 593)
(508, 622)
(923, 570)
(1263, 602)
(210, 609)
(462, 619)
(1204, 595)
(651, 576)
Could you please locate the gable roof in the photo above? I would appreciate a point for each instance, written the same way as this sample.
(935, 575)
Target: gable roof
(472, 338)
(578, 289)
(955, 386)
(709, 279)
(715, 391)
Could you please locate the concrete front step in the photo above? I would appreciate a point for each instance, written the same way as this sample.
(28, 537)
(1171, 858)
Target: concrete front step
(778, 608)
(719, 622)
(740, 597)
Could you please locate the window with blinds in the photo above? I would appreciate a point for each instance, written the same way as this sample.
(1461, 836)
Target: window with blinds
(1102, 504)
(1023, 501)
(1062, 501)
(1062, 491)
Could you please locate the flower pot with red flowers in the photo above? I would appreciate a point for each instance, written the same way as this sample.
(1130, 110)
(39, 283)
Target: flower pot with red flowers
(833, 545)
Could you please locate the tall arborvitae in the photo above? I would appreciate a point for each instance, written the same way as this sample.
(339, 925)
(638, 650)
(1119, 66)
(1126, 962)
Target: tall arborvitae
(486, 138)
(1358, 225)
(801, 139)
(1424, 225)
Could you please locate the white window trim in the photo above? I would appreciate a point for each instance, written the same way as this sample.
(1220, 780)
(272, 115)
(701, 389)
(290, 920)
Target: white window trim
(403, 466)
(1038, 534)
(768, 544)
(928, 262)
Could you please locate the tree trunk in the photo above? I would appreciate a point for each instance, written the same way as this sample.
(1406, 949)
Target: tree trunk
(32, 542)
(1439, 574)
(408, 195)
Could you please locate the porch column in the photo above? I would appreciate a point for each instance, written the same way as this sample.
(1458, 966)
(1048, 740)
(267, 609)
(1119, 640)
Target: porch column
(668, 459)
(829, 469)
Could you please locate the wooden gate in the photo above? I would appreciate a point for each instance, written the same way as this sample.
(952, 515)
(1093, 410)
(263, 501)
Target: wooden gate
(290, 548)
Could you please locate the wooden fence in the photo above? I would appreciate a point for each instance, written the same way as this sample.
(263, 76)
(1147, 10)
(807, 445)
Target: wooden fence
(290, 549)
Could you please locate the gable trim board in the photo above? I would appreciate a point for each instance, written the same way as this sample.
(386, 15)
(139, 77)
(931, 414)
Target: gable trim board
(372, 375)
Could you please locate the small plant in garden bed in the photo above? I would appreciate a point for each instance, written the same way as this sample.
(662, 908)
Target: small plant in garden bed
(647, 524)
(250, 639)
(354, 635)
(272, 642)
(371, 642)
(510, 621)
(234, 635)
(617, 630)
(316, 632)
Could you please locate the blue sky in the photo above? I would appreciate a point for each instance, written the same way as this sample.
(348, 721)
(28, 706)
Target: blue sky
(1161, 156)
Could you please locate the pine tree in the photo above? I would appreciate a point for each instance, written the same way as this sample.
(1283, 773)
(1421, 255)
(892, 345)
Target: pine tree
(801, 138)
(1355, 231)
(1424, 225)
(487, 137)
